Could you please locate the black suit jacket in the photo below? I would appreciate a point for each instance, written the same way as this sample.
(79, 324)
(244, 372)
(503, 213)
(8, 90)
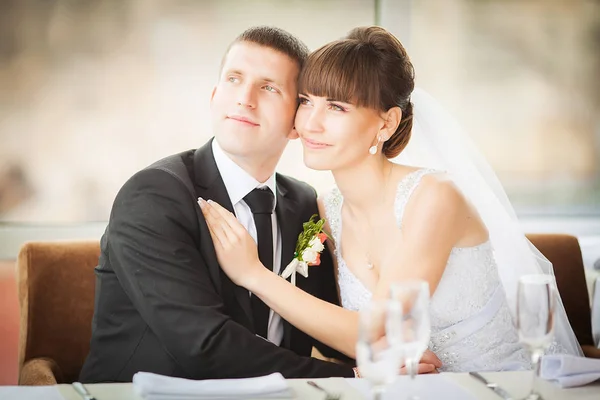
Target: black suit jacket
(163, 304)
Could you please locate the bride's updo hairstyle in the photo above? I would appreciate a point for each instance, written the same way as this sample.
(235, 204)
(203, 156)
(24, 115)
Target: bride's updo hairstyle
(368, 68)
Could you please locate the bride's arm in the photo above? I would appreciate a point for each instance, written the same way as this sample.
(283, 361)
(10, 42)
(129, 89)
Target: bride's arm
(331, 325)
(236, 250)
(430, 233)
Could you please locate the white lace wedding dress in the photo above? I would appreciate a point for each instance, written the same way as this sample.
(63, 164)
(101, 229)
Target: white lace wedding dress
(471, 325)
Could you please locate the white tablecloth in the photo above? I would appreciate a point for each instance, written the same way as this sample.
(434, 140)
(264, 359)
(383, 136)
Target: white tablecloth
(516, 383)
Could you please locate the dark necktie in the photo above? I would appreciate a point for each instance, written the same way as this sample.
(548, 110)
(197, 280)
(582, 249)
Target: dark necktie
(261, 202)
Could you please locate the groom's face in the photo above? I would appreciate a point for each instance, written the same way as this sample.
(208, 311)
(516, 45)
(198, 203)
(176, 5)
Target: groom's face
(254, 103)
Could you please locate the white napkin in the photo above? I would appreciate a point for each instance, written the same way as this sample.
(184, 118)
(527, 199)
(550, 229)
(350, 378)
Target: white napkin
(570, 371)
(158, 387)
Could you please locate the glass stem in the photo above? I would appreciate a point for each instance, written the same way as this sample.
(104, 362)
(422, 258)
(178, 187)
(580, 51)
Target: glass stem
(411, 366)
(536, 355)
(411, 369)
(377, 392)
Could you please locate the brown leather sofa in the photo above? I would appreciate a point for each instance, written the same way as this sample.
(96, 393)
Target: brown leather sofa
(56, 296)
(564, 253)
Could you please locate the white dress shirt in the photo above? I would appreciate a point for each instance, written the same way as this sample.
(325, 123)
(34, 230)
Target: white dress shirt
(238, 184)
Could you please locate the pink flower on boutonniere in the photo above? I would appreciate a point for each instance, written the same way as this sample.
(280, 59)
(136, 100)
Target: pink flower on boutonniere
(308, 249)
(322, 237)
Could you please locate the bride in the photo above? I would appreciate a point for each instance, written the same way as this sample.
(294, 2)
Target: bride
(446, 221)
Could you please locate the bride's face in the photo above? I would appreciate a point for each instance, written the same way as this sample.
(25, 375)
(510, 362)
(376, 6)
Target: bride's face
(335, 134)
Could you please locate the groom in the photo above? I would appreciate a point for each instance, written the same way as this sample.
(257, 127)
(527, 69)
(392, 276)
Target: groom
(162, 304)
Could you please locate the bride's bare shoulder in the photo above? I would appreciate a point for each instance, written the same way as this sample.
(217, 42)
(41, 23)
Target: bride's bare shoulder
(438, 193)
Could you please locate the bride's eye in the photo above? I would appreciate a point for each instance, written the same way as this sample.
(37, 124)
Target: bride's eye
(303, 101)
(336, 107)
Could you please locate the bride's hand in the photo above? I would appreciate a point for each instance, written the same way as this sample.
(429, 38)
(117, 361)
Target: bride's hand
(421, 369)
(429, 357)
(428, 364)
(236, 250)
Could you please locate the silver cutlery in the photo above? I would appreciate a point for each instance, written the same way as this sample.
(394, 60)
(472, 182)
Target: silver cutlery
(493, 386)
(79, 388)
(328, 395)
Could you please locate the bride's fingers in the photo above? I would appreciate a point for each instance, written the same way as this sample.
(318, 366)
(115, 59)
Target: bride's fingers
(421, 369)
(217, 225)
(429, 357)
(227, 216)
(215, 238)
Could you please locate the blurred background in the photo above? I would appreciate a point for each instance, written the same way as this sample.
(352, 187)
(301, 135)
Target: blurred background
(91, 91)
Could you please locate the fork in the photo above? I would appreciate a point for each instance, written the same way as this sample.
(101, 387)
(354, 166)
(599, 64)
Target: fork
(491, 385)
(328, 395)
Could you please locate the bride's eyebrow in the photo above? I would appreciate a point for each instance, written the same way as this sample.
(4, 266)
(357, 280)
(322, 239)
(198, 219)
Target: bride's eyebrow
(329, 99)
(339, 101)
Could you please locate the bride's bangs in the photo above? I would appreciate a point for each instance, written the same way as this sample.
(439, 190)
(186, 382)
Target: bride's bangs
(342, 71)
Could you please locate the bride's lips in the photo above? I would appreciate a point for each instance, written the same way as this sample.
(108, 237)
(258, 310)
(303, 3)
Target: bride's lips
(242, 119)
(313, 144)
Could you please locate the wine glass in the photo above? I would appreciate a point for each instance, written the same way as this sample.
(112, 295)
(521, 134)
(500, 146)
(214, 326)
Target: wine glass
(415, 328)
(535, 319)
(377, 352)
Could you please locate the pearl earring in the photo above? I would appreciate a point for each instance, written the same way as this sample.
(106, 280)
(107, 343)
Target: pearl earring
(373, 149)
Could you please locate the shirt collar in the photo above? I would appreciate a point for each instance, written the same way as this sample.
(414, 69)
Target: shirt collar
(237, 181)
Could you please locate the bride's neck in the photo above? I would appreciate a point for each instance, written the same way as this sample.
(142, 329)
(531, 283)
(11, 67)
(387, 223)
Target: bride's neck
(363, 185)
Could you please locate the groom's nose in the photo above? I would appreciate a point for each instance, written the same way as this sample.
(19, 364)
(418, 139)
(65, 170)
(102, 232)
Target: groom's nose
(246, 96)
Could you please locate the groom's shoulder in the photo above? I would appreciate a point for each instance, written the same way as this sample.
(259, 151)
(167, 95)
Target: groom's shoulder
(178, 163)
(174, 171)
(300, 190)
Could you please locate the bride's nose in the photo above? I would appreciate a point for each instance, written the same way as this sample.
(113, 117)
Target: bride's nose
(314, 121)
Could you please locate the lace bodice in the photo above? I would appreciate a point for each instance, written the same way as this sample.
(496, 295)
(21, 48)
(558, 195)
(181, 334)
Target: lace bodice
(471, 325)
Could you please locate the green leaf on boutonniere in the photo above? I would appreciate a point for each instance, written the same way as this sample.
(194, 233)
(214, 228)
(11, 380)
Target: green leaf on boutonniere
(311, 229)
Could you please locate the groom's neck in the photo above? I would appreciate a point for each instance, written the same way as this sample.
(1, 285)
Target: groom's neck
(260, 168)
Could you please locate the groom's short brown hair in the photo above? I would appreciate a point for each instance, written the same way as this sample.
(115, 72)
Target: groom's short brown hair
(276, 39)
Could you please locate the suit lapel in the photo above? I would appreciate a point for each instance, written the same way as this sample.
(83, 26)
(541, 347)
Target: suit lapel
(210, 186)
(288, 223)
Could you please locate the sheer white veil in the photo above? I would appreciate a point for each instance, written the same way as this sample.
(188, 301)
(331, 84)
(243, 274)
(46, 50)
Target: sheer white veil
(438, 142)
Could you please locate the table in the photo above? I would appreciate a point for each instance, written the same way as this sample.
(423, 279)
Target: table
(516, 383)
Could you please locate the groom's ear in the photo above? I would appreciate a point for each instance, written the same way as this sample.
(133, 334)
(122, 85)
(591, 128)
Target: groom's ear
(391, 120)
(293, 134)
(212, 94)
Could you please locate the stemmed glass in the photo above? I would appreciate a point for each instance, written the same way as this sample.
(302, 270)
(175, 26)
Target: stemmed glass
(377, 351)
(415, 328)
(535, 320)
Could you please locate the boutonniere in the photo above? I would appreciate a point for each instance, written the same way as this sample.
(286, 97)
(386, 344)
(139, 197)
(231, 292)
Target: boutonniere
(308, 249)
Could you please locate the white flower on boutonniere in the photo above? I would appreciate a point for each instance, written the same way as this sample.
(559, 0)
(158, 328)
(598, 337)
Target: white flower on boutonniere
(309, 255)
(316, 245)
(308, 249)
